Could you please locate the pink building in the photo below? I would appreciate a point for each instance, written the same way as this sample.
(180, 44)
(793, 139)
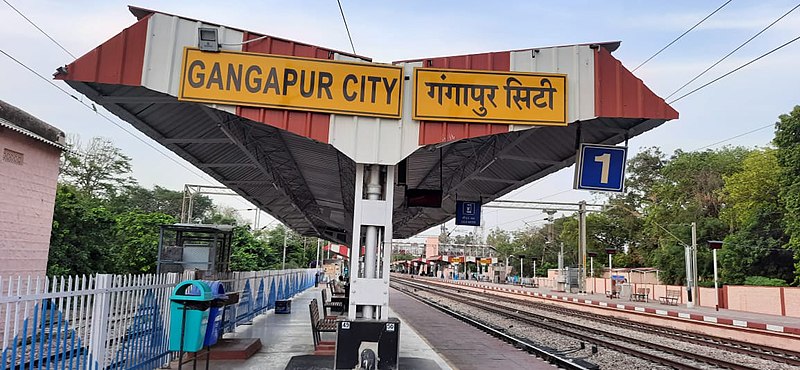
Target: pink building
(431, 247)
(31, 150)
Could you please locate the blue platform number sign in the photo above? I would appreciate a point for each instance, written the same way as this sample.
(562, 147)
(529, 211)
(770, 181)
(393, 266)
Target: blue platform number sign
(468, 213)
(601, 167)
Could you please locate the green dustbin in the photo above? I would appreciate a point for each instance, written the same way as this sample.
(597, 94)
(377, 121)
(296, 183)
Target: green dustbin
(189, 315)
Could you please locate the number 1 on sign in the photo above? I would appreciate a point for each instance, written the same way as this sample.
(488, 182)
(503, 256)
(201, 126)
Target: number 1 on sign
(605, 159)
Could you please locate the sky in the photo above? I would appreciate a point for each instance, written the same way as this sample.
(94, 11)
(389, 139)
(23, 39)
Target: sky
(747, 100)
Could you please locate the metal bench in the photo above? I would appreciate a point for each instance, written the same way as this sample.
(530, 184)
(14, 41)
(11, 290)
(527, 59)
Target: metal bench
(330, 305)
(671, 298)
(641, 295)
(335, 288)
(613, 293)
(327, 324)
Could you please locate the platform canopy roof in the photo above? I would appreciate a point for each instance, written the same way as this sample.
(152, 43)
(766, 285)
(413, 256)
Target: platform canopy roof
(299, 166)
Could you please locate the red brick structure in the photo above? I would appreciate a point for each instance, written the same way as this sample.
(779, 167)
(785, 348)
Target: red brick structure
(30, 150)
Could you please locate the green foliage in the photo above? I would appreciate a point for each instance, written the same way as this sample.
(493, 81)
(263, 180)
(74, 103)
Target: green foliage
(222, 216)
(755, 216)
(251, 252)
(160, 200)
(104, 223)
(764, 281)
(137, 241)
(787, 140)
(82, 237)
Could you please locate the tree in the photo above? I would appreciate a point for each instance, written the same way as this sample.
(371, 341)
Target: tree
(222, 215)
(251, 251)
(754, 214)
(787, 141)
(161, 200)
(643, 173)
(83, 234)
(689, 190)
(501, 241)
(137, 241)
(97, 168)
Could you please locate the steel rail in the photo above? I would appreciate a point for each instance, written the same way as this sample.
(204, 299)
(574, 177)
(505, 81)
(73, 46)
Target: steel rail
(579, 332)
(756, 350)
(761, 351)
(562, 362)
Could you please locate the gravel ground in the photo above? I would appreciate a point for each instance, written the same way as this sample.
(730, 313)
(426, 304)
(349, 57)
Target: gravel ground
(737, 358)
(605, 358)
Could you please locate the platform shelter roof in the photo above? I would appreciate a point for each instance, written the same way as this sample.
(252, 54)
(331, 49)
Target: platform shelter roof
(299, 165)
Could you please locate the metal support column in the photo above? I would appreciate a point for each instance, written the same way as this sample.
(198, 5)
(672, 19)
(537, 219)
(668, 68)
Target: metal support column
(372, 218)
(582, 245)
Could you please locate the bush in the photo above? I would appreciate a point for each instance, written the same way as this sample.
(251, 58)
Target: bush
(764, 281)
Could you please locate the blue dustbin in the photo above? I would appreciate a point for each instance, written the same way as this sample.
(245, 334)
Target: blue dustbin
(189, 306)
(215, 313)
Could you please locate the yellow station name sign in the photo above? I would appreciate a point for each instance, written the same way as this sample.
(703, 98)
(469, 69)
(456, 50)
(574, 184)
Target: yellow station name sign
(486, 96)
(284, 82)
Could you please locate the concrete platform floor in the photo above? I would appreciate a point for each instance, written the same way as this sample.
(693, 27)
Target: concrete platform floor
(286, 336)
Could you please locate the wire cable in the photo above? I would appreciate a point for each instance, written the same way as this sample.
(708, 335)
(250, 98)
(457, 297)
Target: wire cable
(94, 109)
(736, 137)
(683, 34)
(736, 69)
(40, 30)
(731, 53)
(344, 19)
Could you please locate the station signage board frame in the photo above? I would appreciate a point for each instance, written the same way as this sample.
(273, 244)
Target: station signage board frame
(468, 213)
(294, 83)
(521, 98)
(600, 168)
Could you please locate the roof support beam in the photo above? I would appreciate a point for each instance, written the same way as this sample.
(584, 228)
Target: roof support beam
(187, 140)
(224, 165)
(249, 182)
(527, 159)
(493, 179)
(102, 99)
(234, 130)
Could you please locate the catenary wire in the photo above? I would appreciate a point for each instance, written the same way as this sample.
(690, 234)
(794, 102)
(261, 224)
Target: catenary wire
(736, 69)
(40, 30)
(737, 136)
(94, 109)
(731, 53)
(344, 19)
(681, 36)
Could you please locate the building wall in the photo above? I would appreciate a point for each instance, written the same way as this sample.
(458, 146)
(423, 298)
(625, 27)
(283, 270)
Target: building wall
(27, 198)
(431, 247)
(760, 299)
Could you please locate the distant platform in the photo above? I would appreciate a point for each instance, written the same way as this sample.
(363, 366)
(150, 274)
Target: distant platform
(698, 315)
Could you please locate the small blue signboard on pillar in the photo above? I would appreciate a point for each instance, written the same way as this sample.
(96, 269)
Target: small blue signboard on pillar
(468, 213)
(601, 167)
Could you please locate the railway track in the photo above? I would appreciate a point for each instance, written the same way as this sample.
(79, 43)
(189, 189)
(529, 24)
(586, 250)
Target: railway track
(548, 355)
(647, 350)
(726, 344)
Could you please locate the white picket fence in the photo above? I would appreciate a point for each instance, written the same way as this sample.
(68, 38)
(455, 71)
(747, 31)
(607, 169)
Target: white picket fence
(115, 321)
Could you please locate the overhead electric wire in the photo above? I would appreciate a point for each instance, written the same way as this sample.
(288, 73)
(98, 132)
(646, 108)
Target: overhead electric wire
(344, 19)
(40, 30)
(737, 136)
(736, 69)
(683, 34)
(94, 109)
(731, 53)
